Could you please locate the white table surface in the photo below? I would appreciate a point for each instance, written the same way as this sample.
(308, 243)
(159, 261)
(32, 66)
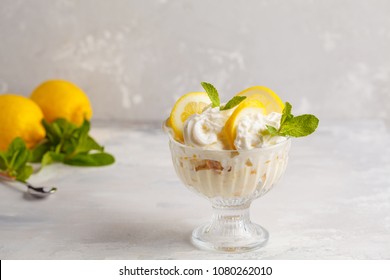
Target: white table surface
(333, 202)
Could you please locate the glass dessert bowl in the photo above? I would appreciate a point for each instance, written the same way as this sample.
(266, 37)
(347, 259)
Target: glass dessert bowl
(232, 153)
(230, 180)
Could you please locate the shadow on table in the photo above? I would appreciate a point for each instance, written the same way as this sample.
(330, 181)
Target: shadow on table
(143, 238)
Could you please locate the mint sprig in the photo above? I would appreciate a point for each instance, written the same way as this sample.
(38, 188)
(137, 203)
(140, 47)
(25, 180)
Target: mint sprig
(70, 145)
(233, 102)
(214, 97)
(292, 126)
(64, 143)
(212, 93)
(14, 161)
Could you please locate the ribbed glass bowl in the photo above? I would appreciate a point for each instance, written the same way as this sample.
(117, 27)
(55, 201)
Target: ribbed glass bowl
(230, 180)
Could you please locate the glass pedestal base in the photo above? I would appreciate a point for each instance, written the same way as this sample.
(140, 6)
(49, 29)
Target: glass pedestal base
(230, 231)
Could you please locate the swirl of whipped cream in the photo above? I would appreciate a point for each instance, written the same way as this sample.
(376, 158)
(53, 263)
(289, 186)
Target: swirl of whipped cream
(204, 130)
(250, 127)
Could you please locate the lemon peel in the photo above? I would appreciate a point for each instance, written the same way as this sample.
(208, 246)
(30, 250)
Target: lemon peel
(62, 99)
(271, 101)
(20, 117)
(187, 105)
(230, 129)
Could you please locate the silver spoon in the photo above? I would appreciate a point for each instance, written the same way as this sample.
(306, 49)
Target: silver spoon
(40, 192)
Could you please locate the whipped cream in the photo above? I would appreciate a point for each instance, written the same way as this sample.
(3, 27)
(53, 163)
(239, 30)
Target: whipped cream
(205, 130)
(250, 128)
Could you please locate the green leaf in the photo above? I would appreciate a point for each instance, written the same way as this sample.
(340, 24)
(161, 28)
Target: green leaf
(21, 158)
(212, 93)
(46, 159)
(17, 154)
(233, 102)
(299, 126)
(38, 152)
(286, 115)
(65, 142)
(84, 129)
(272, 130)
(71, 145)
(89, 144)
(3, 161)
(52, 134)
(24, 173)
(98, 159)
(85, 142)
(13, 162)
(16, 145)
(81, 132)
(59, 131)
(93, 145)
(50, 157)
(68, 146)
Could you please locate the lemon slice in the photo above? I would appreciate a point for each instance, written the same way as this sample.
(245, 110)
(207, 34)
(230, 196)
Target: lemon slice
(187, 105)
(246, 107)
(270, 99)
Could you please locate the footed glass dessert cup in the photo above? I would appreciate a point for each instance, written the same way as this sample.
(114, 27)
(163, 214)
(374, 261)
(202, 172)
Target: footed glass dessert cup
(230, 180)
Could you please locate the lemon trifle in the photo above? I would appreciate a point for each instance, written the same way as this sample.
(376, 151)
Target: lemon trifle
(232, 153)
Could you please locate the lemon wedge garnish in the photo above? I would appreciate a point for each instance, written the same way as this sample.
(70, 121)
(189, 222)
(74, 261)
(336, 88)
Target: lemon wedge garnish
(266, 96)
(246, 107)
(187, 105)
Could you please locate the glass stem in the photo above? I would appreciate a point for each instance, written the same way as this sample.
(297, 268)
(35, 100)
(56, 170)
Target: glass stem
(231, 221)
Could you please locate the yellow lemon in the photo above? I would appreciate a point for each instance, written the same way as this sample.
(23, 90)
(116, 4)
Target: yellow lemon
(245, 107)
(270, 99)
(20, 117)
(187, 105)
(62, 99)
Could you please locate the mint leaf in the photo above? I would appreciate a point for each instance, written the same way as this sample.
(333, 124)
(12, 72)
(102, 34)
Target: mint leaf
(214, 97)
(212, 93)
(21, 157)
(75, 137)
(3, 161)
(272, 130)
(286, 114)
(51, 157)
(64, 142)
(16, 145)
(54, 133)
(93, 145)
(86, 143)
(24, 173)
(14, 161)
(72, 145)
(233, 102)
(299, 126)
(38, 152)
(98, 159)
(18, 155)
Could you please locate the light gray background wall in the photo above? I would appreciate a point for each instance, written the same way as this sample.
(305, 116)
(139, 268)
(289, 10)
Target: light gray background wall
(134, 58)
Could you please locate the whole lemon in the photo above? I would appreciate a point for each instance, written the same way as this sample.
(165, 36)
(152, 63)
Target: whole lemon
(62, 99)
(20, 117)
